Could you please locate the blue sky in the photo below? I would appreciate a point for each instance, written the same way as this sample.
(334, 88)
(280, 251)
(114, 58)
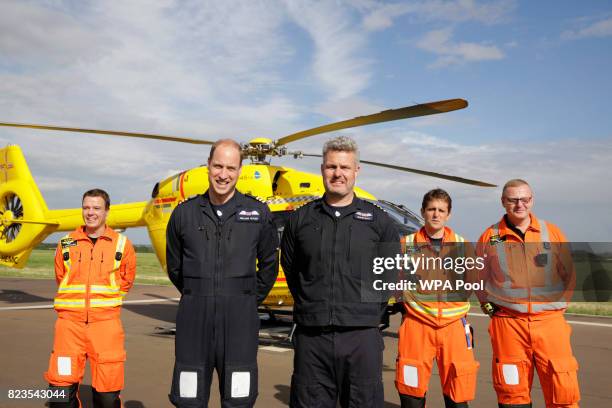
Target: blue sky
(535, 75)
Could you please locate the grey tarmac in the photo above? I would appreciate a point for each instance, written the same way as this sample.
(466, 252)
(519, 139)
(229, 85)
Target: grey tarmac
(26, 336)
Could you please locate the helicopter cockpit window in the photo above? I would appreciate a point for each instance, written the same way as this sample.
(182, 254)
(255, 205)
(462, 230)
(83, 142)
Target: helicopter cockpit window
(407, 221)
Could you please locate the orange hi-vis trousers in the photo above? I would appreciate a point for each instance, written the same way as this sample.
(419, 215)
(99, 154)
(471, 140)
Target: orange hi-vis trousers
(75, 342)
(419, 343)
(519, 344)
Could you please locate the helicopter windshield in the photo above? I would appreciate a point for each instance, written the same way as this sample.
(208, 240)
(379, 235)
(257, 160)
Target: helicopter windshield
(407, 221)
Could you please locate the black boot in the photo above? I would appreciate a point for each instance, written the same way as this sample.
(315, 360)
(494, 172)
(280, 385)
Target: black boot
(66, 396)
(449, 403)
(106, 399)
(408, 401)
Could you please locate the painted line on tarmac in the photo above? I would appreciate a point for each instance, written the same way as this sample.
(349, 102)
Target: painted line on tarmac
(569, 321)
(274, 349)
(125, 302)
(128, 302)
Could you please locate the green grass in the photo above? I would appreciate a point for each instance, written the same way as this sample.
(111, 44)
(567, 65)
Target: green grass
(591, 308)
(40, 265)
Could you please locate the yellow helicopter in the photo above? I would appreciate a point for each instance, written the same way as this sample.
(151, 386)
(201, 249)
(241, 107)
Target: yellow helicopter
(25, 220)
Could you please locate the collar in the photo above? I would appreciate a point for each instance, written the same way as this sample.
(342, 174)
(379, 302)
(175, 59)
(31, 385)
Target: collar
(421, 235)
(204, 199)
(534, 224)
(108, 233)
(353, 207)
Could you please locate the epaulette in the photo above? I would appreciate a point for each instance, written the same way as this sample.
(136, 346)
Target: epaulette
(261, 200)
(191, 197)
(305, 203)
(376, 205)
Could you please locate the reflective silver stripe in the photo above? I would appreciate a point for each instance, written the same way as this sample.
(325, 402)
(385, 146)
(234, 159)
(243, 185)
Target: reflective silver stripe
(512, 293)
(446, 312)
(69, 302)
(544, 237)
(548, 291)
(503, 261)
(541, 307)
(119, 249)
(103, 289)
(519, 307)
(71, 289)
(410, 242)
(460, 248)
(110, 302)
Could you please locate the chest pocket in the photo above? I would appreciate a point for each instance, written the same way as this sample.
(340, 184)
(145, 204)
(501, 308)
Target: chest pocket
(196, 248)
(310, 241)
(363, 247)
(239, 243)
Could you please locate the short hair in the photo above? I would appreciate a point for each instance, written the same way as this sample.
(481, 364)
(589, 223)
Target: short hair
(97, 192)
(514, 183)
(341, 144)
(437, 194)
(230, 142)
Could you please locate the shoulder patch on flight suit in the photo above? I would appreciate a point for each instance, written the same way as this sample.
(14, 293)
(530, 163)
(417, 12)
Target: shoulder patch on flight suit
(68, 242)
(364, 216)
(248, 216)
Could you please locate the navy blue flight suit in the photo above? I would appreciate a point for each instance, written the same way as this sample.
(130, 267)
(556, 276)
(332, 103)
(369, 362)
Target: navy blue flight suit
(224, 266)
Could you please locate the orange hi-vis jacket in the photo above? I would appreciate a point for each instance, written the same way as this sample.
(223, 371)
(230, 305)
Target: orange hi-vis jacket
(93, 279)
(435, 313)
(530, 277)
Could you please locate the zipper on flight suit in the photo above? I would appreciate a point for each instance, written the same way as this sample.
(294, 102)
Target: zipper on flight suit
(87, 288)
(218, 264)
(333, 270)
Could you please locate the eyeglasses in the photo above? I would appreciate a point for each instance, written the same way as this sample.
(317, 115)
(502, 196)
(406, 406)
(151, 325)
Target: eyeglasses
(515, 201)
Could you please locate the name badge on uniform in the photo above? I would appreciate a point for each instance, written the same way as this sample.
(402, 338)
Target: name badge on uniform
(248, 216)
(496, 239)
(412, 248)
(364, 216)
(68, 242)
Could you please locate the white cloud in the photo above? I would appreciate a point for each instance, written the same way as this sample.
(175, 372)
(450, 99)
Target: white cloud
(235, 69)
(597, 29)
(567, 192)
(468, 10)
(440, 42)
(337, 63)
(380, 16)
(348, 108)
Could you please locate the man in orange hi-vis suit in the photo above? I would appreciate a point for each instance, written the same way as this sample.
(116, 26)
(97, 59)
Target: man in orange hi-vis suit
(435, 329)
(528, 277)
(94, 267)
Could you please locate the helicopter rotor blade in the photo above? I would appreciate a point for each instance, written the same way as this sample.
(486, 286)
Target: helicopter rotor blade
(423, 109)
(23, 221)
(110, 133)
(422, 172)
